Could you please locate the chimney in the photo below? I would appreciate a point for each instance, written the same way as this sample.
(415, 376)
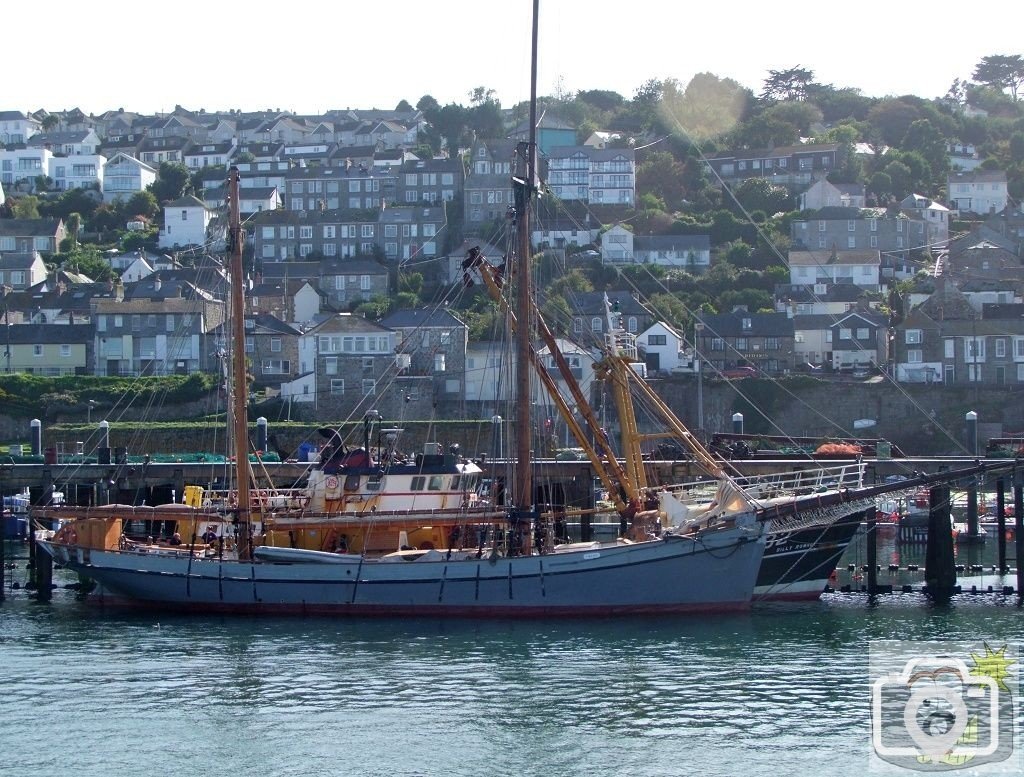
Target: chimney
(119, 290)
(157, 283)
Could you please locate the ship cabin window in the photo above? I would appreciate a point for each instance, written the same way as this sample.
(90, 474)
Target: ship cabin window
(418, 482)
(373, 483)
(455, 483)
(436, 483)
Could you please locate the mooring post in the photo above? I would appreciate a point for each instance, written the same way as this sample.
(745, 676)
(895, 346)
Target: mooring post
(872, 547)
(1001, 522)
(103, 449)
(261, 434)
(737, 423)
(972, 509)
(36, 436)
(1018, 528)
(940, 570)
(44, 577)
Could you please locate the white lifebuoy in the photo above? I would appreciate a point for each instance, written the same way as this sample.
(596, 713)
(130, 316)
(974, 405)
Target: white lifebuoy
(331, 482)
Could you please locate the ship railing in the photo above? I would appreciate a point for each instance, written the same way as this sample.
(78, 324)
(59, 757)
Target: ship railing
(768, 486)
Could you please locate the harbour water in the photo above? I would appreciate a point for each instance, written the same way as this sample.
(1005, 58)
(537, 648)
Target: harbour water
(782, 690)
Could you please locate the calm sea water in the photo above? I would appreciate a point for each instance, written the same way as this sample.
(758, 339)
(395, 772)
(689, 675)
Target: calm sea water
(779, 691)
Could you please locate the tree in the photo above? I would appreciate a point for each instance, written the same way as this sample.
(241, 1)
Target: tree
(661, 174)
(759, 194)
(788, 84)
(927, 141)
(881, 184)
(1001, 71)
(709, 107)
(403, 105)
(900, 178)
(26, 207)
(74, 226)
(142, 204)
(428, 104)
(49, 121)
(765, 131)
(172, 182)
(601, 99)
(481, 94)
(892, 118)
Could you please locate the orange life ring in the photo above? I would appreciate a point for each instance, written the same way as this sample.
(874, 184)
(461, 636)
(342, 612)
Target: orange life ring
(331, 482)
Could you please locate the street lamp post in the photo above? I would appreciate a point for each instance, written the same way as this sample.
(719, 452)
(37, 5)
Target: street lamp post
(92, 404)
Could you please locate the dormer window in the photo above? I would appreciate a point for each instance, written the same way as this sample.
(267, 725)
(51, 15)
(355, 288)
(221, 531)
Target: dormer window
(746, 323)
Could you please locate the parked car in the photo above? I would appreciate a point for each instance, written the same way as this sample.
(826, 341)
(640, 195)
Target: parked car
(860, 372)
(739, 372)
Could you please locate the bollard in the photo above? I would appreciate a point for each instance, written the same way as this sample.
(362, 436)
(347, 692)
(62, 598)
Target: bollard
(940, 570)
(737, 423)
(36, 436)
(261, 434)
(1001, 521)
(971, 423)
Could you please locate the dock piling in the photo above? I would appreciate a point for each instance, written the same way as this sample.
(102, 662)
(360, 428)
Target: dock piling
(1018, 526)
(940, 569)
(1001, 522)
(872, 552)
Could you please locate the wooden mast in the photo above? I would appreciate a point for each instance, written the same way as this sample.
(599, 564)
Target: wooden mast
(239, 383)
(523, 185)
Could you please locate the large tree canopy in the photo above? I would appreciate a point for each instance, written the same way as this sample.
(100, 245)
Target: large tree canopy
(1001, 71)
(788, 84)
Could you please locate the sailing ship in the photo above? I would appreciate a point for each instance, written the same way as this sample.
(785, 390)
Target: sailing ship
(503, 564)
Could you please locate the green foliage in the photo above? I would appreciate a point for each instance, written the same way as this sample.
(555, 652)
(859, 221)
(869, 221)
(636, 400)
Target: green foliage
(173, 181)
(26, 207)
(24, 394)
(788, 84)
(85, 259)
(142, 204)
(1001, 71)
(79, 201)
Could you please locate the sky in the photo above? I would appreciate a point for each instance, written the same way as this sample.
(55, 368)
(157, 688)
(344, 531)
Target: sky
(313, 56)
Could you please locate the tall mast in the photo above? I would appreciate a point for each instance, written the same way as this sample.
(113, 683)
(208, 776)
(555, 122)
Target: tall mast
(522, 184)
(240, 389)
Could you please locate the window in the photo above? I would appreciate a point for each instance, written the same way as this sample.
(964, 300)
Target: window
(330, 365)
(632, 324)
(250, 345)
(772, 344)
(862, 333)
(364, 282)
(851, 226)
(949, 348)
(275, 345)
(390, 230)
(851, 242)
(974, 349)
(717, 344)
(37, 350)
(184, 215)
(439, 362)
(657, 339)
(276, 366)
(914, 356)
(337, 386)
(742, 344)
(65, 351)
(306, 233)
(369, 387)
(367, 230)
(170, 322)
(1000, 348)
(845, 333)
(874, 241)
(912, 336)
(595, 324)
